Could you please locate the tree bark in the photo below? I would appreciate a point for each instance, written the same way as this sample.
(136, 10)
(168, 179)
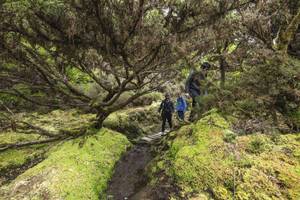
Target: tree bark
(285, 36)
(101, 116)
(223, 65)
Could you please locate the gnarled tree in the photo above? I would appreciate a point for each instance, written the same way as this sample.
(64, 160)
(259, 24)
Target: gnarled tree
(118, 47)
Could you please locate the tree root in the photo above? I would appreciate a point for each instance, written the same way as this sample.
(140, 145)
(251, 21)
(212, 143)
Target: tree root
(61, 137)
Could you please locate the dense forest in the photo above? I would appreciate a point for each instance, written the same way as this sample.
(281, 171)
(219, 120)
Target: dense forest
(85, 85)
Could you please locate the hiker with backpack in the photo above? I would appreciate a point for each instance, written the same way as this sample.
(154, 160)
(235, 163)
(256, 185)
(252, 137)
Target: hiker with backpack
(196, 87)
(166, 109)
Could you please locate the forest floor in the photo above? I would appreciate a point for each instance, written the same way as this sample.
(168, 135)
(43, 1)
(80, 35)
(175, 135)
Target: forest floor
(180, 165)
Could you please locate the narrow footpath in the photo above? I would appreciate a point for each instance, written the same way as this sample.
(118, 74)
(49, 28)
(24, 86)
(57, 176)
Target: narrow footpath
(129, 179)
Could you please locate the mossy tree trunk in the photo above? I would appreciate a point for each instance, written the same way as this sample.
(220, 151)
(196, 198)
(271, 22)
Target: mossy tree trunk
(286, 35)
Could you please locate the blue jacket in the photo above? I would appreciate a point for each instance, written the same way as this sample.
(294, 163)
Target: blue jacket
(181, 104)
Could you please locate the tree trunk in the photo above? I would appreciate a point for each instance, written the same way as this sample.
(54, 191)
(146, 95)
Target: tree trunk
(285, 36)
(223, 64)
(274, 117)
(101, 116)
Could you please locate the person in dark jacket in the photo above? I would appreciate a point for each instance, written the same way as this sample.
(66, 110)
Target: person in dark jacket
(166, 109)
(195, 87)
(181, 107)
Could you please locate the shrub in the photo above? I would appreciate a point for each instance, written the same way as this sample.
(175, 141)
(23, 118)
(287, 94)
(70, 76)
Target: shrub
(229, 136)
(257, 145)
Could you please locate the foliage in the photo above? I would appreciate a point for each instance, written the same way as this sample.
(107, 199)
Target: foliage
(90, 57)
(121, 48)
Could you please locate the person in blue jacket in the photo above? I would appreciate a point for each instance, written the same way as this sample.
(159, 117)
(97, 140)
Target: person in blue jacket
(181, 106)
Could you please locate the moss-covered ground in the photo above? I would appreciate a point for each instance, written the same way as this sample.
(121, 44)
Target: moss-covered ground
(53, 122)
(131, 122)
(76, 169)
(207, 160)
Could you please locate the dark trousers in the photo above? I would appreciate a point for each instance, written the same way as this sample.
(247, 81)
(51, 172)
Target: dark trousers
(180, 114)
(193, 112)
(166, 117)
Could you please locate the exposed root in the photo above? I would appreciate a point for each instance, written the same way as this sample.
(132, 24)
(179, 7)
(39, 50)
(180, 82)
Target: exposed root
(65, 136)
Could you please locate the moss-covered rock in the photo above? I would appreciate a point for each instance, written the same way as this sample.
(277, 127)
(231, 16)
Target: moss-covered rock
(208, 160)
(148, 99)
(60, 120)
(134, 122)
(78, 169)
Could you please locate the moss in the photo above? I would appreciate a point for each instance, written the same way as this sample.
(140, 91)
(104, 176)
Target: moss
(229, 136)
(70, 120)
(12, 157)
(148, 99)
(78, 169)
(258, 143)
(205, 158)
(191, 158)
(17, 157)
(134, 122)
(13, 137)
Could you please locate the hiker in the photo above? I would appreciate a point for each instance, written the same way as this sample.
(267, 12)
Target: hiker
(166, 109)
(195, 86)
(181, 106)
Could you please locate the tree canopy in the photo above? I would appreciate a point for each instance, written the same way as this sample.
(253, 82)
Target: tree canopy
(119, 50)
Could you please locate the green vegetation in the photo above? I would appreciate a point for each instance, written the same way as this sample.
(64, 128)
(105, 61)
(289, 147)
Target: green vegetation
(58, 120)
(18, 157)
(55, 121)
(78, 169)
(80, 80)
(208, 159)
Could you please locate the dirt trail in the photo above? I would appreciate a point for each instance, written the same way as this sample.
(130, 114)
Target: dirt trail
(129, 177)
(129, 180)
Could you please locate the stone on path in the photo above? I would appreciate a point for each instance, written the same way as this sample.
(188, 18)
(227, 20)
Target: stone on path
(151, 138)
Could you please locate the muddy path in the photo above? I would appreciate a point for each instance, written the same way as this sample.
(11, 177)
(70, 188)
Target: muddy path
(130, 180)
(129, 177)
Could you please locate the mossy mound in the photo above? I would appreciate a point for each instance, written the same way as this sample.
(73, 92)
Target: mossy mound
(208, 160)
(12, 137)
(134, 122)
(59, 120)
(14, 158)
(76, 169)
(54, 122)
